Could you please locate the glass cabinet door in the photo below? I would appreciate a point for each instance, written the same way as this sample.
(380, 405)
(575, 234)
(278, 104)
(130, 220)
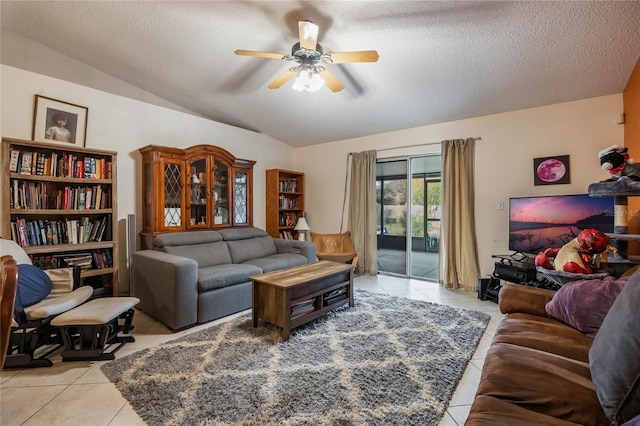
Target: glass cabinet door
(221, 194)
(172, 194)
(148, 196)
(240, 197)
(198, 216)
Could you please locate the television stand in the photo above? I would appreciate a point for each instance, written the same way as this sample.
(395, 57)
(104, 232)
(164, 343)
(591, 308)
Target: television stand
(517, 268)
(517, 259)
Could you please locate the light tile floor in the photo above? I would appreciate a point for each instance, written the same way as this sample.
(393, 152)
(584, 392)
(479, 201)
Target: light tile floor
(77, 393)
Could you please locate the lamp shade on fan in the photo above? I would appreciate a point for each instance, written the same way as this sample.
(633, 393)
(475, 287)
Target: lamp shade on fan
(302, 227)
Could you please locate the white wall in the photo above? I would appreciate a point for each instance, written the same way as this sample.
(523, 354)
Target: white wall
(121, 124)
(503, 163)
(504, 156)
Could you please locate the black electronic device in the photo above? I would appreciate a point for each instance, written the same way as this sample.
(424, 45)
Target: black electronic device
(488, 289)
(514, 273)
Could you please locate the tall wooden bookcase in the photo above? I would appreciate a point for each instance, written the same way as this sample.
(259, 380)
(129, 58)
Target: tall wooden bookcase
(58, 202)
(285, 202)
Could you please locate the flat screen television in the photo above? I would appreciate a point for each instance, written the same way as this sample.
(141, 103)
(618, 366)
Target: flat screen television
(538, 223)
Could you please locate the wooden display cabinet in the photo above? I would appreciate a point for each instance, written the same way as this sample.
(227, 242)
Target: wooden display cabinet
(58, 202)
(285, 202)
(200, 187)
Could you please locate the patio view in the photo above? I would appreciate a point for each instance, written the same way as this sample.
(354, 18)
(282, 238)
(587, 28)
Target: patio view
(397, 218)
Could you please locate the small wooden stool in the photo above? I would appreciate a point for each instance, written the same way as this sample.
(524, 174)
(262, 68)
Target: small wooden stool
(89, 328)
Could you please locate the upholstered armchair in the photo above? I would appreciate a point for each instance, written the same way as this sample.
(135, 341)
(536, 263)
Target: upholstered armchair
(335, 247)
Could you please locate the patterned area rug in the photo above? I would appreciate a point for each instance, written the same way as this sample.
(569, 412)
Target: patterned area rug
(386, 361)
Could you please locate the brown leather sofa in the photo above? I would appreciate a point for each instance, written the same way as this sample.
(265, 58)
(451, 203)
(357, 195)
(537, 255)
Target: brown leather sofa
(538, 370)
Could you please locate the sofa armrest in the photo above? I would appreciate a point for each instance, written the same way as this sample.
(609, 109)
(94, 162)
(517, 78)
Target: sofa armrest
(167, 286)
(523, 299)
(305, 248)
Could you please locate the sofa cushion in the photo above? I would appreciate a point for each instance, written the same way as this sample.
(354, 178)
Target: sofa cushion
(220, 276)
(583, 304)
(540, 382)
(545, 334)
(208, 254)
(232, 234)
(488, 410)
(186, 238)
(614, 359)
(278, 261)
(252, 248)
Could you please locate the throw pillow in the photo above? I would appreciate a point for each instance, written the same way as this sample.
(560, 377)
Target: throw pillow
(33, 285)
(61, 280)
(584, 304)
(613, 357)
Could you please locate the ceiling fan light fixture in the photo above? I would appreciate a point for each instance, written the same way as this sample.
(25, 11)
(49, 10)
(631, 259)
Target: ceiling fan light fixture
(308, 80)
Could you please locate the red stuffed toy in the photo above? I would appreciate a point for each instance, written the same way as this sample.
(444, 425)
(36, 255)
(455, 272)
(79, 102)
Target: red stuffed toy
(578, 255)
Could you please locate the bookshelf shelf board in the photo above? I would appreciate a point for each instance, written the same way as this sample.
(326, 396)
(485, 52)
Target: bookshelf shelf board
(43, 178)
(51, 248)
(60, 212)
(85, 273)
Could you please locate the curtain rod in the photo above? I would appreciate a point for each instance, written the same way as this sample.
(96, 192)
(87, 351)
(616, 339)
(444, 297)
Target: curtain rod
(419, 144)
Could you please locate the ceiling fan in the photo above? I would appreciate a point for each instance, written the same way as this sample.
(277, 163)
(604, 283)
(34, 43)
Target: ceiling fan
(310, 59)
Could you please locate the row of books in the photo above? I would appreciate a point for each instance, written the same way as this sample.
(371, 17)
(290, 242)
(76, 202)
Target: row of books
(42, 195)
(44, 232)
(286, 235)
(288, 219)
(56, 164)
(93, 259)
(289, 185)
(287, 203)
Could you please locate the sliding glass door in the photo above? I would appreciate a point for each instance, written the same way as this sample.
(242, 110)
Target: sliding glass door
(408, 191)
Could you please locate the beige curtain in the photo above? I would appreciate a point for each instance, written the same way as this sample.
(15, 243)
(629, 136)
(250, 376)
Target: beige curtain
(362, 210)
(459, 267)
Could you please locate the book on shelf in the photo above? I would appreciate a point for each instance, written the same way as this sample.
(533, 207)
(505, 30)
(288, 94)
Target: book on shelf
(13, 160)
(39, 161)
(288, 185)
(25, 168)
(286, 235)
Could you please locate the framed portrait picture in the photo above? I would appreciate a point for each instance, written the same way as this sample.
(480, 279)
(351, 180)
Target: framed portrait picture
(59, 122)
(551, 170)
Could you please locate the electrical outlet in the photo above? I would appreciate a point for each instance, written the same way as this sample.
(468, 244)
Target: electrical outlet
(500, 205)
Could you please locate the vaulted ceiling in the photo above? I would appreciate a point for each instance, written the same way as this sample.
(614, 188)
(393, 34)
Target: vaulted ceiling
(439, 60)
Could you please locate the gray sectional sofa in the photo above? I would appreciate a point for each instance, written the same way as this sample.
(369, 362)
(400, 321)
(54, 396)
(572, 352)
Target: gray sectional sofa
(199, 276)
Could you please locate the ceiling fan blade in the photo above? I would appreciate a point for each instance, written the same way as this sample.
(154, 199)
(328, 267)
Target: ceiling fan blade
(331, 81)
(282, 79)
(308, 34)
(260, 54)
(360, 56)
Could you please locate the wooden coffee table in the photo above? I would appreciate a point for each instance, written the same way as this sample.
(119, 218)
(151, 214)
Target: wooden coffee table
(292, 297)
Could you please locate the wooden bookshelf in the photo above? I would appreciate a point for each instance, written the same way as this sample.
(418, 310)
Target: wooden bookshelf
(62, 205)
(285, 202)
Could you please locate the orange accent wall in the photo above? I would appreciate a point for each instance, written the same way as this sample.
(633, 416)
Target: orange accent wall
(631, 102)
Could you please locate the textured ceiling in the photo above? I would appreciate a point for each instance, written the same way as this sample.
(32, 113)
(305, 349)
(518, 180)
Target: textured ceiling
(439, 61)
